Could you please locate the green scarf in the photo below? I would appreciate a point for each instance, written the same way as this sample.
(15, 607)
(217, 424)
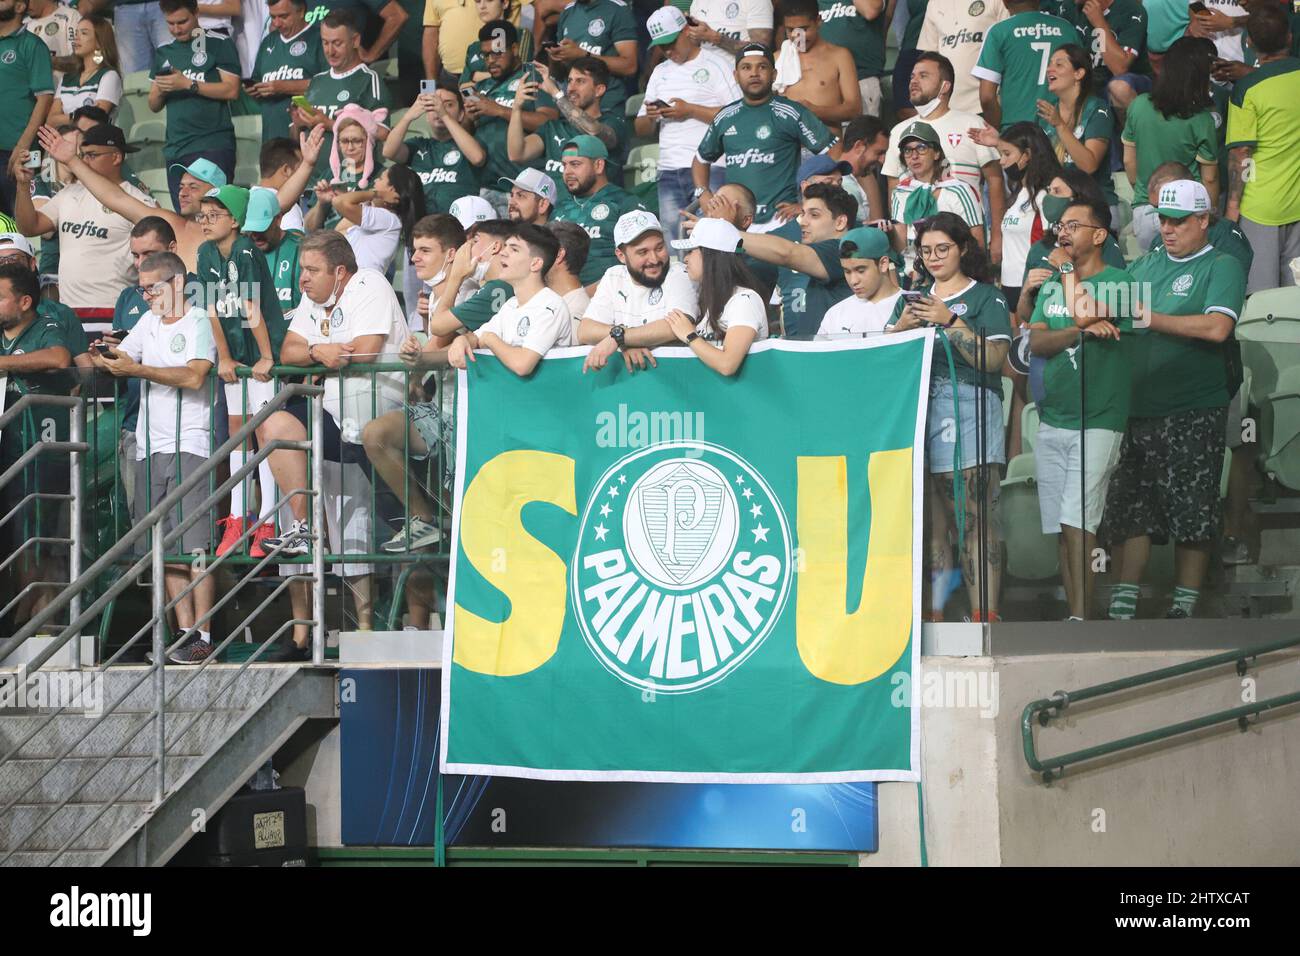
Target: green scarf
(920, 204)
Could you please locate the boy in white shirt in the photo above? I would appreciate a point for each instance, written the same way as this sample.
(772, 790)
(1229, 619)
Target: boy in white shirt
(533, 321)
(869, 272)
(172, 349)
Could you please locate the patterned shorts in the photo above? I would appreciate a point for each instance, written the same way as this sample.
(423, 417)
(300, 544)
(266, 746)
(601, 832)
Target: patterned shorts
(1167, 481)
(439, 433)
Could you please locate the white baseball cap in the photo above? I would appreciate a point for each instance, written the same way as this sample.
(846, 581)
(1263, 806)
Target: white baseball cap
(664, 25)
(716, 234)
(632, 225)
(1182, 198)
(12, 240)
(534, 181)
(468, 210)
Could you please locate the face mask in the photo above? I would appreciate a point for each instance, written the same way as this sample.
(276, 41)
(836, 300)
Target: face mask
(1054, 207)
(1015, 176)
(436, 280)
(334, 296)
(481, 271)
(925, 109)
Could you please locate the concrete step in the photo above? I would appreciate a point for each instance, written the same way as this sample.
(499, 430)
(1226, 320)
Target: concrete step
(190, 689)
(22, 825)
(54, 780)
(103, 735)
(77, 858)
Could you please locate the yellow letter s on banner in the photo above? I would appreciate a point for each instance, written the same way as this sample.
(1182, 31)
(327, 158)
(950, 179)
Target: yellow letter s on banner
(532, 576)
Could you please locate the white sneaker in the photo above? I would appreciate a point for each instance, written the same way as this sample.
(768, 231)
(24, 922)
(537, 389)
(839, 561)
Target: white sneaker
(422, 535)
(296, 539)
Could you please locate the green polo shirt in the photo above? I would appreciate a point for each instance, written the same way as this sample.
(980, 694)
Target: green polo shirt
(597, 214)
(483, 304)
(805, 299)
(227, 283)
(1106, 363)
(295, 59)
(282, 264)
(1158, 138)
(491, 130)
(443, 170)
(596, 26)
(196, 123)
(25, 73)
(1173, 373)
(45, 332)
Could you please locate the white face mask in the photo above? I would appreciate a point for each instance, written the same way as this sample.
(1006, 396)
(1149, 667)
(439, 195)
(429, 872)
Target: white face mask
(436, 280)
(925, 109)
(334, 296)
(481, 270)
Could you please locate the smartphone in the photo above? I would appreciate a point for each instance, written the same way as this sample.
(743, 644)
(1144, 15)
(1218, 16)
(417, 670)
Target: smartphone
(165, 71)
(119, 334)
(103, 349)
(428, 86)
(34, 159)
(302, 104)
(550, 45)
(1196, 6)
(692, 22)
(912, 296)
(660, 104)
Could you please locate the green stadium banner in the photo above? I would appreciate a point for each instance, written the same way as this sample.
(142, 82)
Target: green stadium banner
(674, 576)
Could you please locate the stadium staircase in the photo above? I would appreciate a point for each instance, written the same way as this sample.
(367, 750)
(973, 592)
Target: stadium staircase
(112, 764)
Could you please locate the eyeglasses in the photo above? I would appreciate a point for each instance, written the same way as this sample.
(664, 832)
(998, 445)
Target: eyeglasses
(152, 291)
(915, 150)
(1071, 225)
(937, 252)
(213, 217)
(349, 141)
(84, 155)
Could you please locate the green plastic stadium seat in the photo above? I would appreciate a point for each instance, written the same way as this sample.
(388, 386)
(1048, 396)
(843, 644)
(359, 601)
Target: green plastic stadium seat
(137, 82)
(147, 131)
(127, 114)
(1008, 390)
(247, 174)
(249, 127)
(1279, 429)
(634, 105)
(1031, 555)
(1269, 333)
(1028, 427)
(642, 166)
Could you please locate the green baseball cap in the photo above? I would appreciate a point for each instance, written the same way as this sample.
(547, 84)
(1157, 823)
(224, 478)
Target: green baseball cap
(234, 198)
(865, 242)
(587, 146)
(922, 131)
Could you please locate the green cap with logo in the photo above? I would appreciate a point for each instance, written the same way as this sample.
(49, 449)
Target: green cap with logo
(1182, 198)
(234, 198)
(864, 242)
(587, 146)
(922, 131)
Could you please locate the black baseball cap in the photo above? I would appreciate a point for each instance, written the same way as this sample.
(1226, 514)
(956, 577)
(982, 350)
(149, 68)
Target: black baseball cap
(756, 49)
(107, 135)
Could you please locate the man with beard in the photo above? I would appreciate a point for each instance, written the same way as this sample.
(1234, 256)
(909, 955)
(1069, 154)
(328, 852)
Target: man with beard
(490, 102)
(594, 203)
(760, 137)
(930, 91)
(863, 147)
(643, 289)
(448, 163)
(580, 115)
(532, 197)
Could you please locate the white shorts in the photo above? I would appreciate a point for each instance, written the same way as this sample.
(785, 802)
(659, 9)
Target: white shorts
(347, 519)
(1056, 458)
(259, 393)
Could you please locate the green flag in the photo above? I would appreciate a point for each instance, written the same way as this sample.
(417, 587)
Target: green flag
(676, 576)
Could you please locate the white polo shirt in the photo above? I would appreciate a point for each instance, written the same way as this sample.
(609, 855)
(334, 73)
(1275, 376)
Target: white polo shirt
(160, 344)
(707, 80)
(539, 325)
(620, 300)
(367, 306)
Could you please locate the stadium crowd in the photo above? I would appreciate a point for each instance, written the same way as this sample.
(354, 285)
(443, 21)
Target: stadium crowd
(800, 192)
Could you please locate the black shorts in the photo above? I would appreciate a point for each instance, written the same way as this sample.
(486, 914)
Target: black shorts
(336, 449)
(39, 518)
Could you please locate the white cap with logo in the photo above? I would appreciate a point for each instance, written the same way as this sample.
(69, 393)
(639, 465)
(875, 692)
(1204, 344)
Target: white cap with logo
(664, 25)
(632, 225)
(468, 210)
(12, 240)
(534, 181)
(716, 234)
(1182, 198)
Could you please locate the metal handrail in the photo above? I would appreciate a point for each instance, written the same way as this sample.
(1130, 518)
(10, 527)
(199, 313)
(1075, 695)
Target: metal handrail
(1051, 768)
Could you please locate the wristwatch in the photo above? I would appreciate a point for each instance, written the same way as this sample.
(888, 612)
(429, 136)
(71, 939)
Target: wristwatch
(1066, 267)
(616, 333)
(692, 337)
(194, 86)
(697, 192)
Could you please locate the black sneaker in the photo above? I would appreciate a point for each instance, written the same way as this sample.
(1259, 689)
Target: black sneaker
(285, 652)
(193, 651)
(1176, 613)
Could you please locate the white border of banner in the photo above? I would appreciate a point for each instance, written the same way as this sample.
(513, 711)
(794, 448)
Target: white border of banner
(912, 775)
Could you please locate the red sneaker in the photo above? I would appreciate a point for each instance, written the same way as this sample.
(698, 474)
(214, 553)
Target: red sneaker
(264, 531)
(234, 530)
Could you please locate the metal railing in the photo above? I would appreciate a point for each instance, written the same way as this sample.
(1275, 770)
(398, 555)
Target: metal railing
(1045, 710)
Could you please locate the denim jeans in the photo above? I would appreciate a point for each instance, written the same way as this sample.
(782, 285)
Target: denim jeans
(675, 189)
(141, 29)
(224, 158)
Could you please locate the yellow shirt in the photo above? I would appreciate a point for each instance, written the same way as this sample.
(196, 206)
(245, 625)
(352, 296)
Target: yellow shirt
(458, 25)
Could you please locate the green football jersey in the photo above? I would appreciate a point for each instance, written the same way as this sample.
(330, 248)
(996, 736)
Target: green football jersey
(282, 264)
(47, 331)
(556, 133)
(1015, 55)
(984, 309)
(1106, 363)
(483, 304)
(1127, 20)
(330, 92)
(196, 123)
(1173, 373)
(491, 131)
(443, 169)
(1095, 122)
(761, 145)
(1226, 236)
(297, 58)
(1159, 138)
(844, 26)
(1040, 250)
(597, 214)
(26, 72)
(805, 299)
(596, 25)
(228, 282)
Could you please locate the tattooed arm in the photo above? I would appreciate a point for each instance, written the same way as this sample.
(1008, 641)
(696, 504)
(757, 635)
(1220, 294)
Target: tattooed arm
(1239, 161)
(586, 123)
(965, 341)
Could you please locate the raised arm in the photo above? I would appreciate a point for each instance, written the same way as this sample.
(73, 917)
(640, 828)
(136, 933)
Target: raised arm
(292, 189)
(111, 194)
